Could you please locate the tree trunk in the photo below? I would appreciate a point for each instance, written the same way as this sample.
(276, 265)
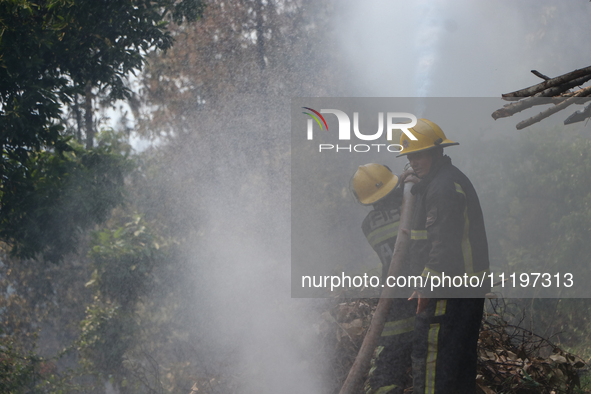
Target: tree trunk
(260, 38)
(88, 117)
(78, 119)
(1, 173)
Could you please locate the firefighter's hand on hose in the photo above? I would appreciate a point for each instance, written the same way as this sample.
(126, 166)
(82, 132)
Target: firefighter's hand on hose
(409, 176)
(422, 301)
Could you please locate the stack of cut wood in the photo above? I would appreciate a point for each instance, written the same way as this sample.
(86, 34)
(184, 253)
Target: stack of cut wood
(557, 91)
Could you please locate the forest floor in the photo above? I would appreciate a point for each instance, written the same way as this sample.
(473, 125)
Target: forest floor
(511, 359)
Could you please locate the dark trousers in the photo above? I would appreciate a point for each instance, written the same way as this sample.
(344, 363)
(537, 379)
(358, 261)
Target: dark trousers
(444, 350)
(440, 344)
(388, 373)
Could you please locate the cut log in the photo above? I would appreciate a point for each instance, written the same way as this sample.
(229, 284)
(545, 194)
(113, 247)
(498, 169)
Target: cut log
(549, 83)
(513, 108)
(550, 111)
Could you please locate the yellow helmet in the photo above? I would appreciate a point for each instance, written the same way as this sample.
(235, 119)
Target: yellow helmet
(429, 136)
(372, 182)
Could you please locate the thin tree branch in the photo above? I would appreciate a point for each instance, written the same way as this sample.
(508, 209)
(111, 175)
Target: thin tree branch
(530, 91)
(550, 111)
(539, 74)
(579, 116)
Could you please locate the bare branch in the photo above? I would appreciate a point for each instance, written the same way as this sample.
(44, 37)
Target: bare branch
(544, 114)
(555, 91)
(549, 83)
(539, 74)
(513, 108)
(579, 116)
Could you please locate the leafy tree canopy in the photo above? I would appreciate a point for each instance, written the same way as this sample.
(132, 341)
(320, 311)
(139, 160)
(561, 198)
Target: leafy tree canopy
(52, 197)
(51, 49)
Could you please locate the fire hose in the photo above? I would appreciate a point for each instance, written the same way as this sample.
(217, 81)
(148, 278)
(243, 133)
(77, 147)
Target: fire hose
(362, 362)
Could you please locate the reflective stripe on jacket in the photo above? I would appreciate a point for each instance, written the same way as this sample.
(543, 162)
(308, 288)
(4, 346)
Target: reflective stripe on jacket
(380, 227)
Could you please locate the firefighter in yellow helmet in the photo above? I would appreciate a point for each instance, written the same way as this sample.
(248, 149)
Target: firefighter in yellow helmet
(448, 238)
(428, 136)
(372, 182)
(375, 185)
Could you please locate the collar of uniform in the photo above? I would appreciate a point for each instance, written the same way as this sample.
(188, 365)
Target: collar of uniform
(435, 167)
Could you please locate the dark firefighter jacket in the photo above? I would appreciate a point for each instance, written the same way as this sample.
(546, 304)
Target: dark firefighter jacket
(447, 233)
(381, 229)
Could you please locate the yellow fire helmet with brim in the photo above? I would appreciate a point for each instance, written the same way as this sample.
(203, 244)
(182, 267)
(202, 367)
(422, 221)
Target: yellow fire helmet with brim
(372, 182)
(429, 136)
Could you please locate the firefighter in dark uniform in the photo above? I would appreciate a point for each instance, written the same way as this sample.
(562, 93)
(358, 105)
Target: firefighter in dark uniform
(374, 184)
(447, 238)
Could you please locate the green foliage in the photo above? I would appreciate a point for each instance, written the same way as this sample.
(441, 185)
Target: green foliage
(17, 371)
(142, 327)
(124, 259)
(23, 371)
(539, 209)
(50, 50)
(50, 199)
(106, 333)
(585, 385)
(549, 212)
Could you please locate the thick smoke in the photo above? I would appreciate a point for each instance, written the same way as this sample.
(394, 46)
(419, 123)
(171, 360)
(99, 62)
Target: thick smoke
(260, 338)
(470, 49)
